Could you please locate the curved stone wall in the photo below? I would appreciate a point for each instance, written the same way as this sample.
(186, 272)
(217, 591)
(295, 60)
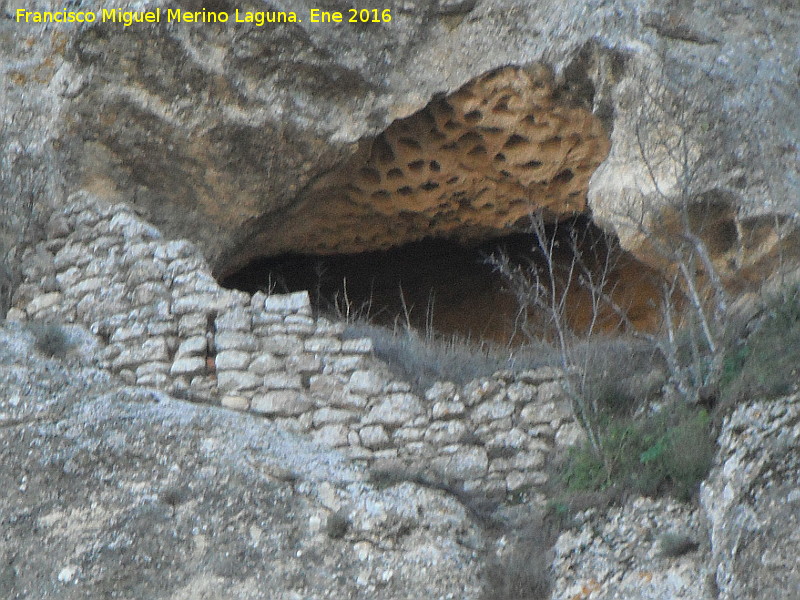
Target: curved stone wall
(161, 320)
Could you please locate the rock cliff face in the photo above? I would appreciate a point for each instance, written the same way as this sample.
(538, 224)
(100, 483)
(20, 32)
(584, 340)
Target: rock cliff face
(231, 134)
(450, 120)
(235, 141)
(751, 502)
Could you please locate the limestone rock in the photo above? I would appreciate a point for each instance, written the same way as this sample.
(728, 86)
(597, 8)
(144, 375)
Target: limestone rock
(232, 360)
(298, 302)
(230, 381)
(374, 437)
(235, 402)
(463, 462)
(237, 148)
(281, 403)
(108, 488)
(193, 346)
(217, 137)
(365, 382)
(332, 436)
(395, 409)
(589, 559)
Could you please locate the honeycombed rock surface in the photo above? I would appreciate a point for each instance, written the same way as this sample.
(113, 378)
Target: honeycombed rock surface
(474, 163)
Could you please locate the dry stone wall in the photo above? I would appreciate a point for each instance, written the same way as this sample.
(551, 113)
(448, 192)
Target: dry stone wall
(161, 320)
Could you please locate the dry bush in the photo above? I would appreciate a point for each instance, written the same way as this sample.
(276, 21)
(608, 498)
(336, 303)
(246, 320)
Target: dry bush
(523, 573)
(337, 524)
(422, 359)
(675, 544)
(50, 338)
(688, 348)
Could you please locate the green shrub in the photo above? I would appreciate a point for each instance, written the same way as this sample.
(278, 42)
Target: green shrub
(732, 365)
(585, 470)
(50, 338)
(688, 454)
(645, 455)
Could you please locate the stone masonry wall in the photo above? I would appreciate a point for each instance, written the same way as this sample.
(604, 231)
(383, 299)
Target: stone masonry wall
(161, 320)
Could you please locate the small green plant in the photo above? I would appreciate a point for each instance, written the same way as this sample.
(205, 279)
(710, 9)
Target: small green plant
(688, 454)
(677, 544)
(765, 364)
(646, 455)
(337, 525)
(557, 508)
(585, 470)
(732, 364)
(50, 338)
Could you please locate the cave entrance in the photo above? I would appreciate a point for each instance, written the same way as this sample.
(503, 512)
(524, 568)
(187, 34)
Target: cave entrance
(431, 284)
(400, 231)
(450, 288)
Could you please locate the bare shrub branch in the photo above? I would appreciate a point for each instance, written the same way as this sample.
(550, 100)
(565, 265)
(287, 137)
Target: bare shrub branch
(673, 132)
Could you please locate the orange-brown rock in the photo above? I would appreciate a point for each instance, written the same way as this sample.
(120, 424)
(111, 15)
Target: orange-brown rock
(467, 166)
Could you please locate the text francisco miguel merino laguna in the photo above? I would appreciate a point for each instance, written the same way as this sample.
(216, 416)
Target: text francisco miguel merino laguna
(176, 15)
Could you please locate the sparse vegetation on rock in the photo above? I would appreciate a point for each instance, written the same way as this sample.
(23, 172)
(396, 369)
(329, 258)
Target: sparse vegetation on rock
(50, 338)
(523, 573)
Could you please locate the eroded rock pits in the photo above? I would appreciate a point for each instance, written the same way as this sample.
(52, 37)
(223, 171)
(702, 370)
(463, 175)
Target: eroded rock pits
(447, 182)
(467, 167)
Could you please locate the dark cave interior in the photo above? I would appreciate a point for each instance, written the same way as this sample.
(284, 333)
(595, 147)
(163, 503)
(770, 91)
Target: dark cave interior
(436, 283)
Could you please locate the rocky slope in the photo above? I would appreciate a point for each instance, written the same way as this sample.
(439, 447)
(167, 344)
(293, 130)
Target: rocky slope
(114, 491)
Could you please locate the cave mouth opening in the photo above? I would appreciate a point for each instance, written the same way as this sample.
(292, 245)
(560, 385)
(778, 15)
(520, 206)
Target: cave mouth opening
(400, 232)
(444, 287)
